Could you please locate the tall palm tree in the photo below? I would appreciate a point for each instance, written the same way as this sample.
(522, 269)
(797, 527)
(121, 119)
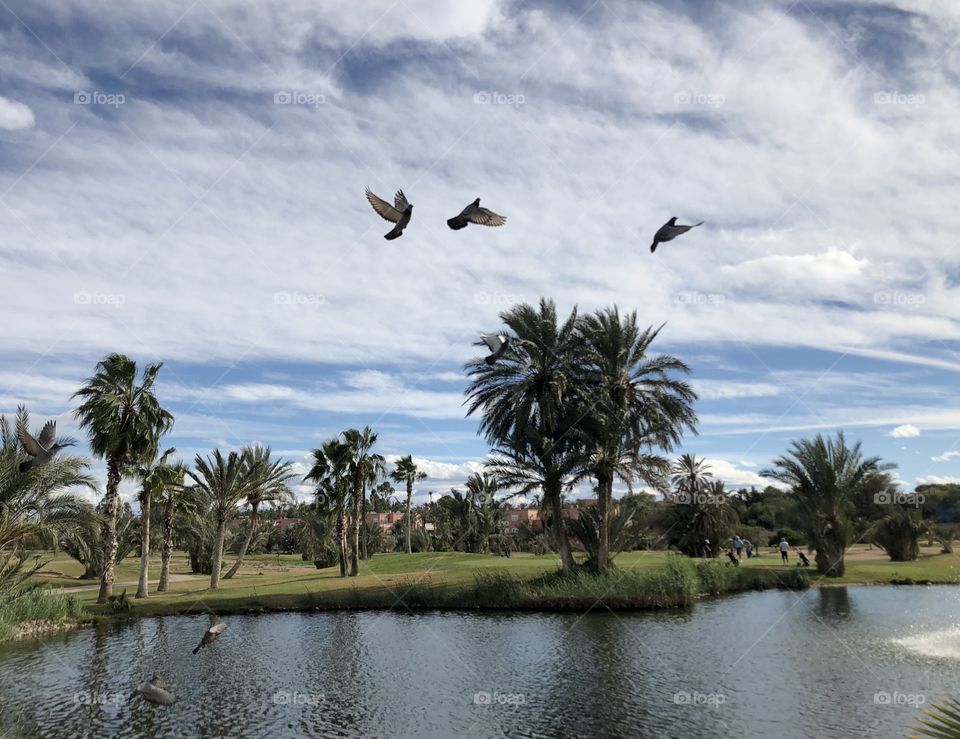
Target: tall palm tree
(375, 469)
(527, 400)
(700, 507)
(173, 497)
(407, 472)
(224, 481)
(482, 490)
(124, 422)
(330, 472)
(632, 403)
(362, 461)
(825, 475)
(155, 474)
(268, 480)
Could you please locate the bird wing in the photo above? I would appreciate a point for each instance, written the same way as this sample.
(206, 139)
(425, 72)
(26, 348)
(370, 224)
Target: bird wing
(158, 695)
(493, 342)
(29, 444)
(217, 628)
(484, 217)
(400, 201)
(383, 208)
(48, 434)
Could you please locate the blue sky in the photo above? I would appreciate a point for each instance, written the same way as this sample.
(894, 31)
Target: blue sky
(184, 182)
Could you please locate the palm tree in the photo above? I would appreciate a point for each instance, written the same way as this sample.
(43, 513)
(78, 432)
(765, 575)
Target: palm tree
(124, 422)
(407, 472)
(376, 468)
(527, 399)
(173, 497)
(825, 475)
(362, 462)
(330, 473)
(481, 490)
(35, 507)
(632, 403)
(224, 481)
(700, 507)
(268, 479)
(155, 475)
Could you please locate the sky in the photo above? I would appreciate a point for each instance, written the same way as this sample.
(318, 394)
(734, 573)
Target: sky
(182, 181)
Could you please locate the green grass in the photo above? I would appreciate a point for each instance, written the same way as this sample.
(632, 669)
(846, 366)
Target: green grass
(38, 605)
(459, 580)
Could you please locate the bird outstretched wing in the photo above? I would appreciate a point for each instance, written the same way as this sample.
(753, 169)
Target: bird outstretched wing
(493, 342)
(485, 217)
(400, 201)
(383, 208)
(29, 444)
(48, 434)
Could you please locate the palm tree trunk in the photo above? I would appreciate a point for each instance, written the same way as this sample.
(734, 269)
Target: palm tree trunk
(363, 524)
(342, 539)
(217, 558)
(355, 528)
(246, 541)
(409, 522)
(559, 530)
(604, 495)
(143, 585)
(167, 548)
(830, 556)
(109, 529)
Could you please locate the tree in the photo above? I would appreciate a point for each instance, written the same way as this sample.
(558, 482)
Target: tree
(632, 403)
(267, 478)
(173, 497)
(36, 508)
(224, 482)
(407, 472)
(528, 403)
(825, 475)
(124, 422)
(362, 461)
(330, 472)
(700, 509)
(898, 534)
(155, 474)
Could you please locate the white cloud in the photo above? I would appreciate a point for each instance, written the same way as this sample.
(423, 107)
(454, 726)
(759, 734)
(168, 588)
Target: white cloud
(906, 431)
(938, 480)
(946, 456)
(14, 115)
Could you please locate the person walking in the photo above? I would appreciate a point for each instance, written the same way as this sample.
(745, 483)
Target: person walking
(748, 546)
(738, 545)
(784, 550)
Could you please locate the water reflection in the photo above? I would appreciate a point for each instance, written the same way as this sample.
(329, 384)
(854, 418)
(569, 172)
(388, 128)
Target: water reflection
(775, 663)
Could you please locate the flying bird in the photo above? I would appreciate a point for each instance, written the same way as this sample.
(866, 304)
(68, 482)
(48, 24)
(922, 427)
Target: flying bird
(43, 447)
(669, 231)
(497, 344)
(473, 213)
(212, 634)
(398, 213)
(153, 691)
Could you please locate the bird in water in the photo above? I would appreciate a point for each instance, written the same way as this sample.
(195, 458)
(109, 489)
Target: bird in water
(498, 344)
(212, 634)
(473, 213)
(154, 691)
(42, 448)
(669, 231)
(398, 213)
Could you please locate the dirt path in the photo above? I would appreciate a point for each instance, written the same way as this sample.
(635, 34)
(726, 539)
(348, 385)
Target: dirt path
(96, 586)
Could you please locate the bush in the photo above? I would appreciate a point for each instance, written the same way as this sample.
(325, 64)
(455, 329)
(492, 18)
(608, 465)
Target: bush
(38, 605)
(794, 538)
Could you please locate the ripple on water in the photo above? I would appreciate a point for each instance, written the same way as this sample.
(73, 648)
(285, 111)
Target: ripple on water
(943, 644)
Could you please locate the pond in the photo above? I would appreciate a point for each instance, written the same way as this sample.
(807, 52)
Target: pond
(858, 661)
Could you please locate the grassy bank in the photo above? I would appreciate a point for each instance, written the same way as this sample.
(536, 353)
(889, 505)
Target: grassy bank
(459, 580)
(39, 611)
